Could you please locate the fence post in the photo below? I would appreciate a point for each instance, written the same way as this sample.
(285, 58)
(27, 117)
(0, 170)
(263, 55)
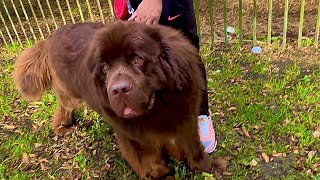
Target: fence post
(316, 41)
(301, 23)
(269, 21)
(254, 22)
(211, 22)
(240, 22)
(197, 14)
(285, 23)
(225, 21)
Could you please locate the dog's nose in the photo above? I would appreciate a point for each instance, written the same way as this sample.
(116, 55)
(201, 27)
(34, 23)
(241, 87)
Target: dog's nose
(121, 87)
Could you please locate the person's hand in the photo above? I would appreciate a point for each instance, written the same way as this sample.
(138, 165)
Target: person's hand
(148, 12)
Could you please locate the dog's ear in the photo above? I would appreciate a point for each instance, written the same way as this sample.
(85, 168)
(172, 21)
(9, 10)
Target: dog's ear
(179, 59)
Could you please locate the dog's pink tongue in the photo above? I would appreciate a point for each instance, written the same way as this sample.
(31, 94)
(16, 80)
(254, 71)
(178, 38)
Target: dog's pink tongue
(127, 111)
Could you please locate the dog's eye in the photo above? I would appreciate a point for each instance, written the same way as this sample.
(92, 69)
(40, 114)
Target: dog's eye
(105, 67)
(137, 61)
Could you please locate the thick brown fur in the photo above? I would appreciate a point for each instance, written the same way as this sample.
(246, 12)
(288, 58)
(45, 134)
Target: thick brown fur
(144, 80)
(31, 72)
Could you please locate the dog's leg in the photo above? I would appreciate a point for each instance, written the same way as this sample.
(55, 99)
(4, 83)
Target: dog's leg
(197, 158)
(62, 118)
(145, 161)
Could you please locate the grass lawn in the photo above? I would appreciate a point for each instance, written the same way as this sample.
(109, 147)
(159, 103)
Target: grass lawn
(266, 115)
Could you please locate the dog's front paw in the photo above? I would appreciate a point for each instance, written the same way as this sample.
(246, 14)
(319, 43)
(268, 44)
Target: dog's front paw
(219, 166)
(62, 130)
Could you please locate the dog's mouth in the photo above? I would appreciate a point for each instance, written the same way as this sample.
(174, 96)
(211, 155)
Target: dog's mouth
(129, 112)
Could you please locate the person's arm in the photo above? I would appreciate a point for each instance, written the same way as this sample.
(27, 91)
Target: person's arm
(148, 11)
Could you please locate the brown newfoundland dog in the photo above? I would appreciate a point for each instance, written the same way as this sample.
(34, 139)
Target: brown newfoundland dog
(144, 80)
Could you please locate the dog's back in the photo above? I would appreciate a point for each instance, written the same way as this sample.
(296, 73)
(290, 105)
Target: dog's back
(33, 74)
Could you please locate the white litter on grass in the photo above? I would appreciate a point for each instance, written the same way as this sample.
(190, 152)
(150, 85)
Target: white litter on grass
(230, 29)
(256, 50)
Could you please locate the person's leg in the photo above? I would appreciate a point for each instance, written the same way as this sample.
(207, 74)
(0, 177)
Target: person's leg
(185, 21)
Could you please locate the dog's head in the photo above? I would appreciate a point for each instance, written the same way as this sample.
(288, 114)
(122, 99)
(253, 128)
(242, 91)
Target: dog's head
(132, 61)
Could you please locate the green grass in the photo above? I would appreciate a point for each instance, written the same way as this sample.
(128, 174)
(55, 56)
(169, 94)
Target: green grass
(278, 108)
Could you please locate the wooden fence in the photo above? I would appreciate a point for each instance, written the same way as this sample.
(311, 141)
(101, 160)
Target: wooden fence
(23, 21)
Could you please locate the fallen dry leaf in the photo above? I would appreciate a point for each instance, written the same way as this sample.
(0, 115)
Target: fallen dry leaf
(309, 171)
(25, 158)
(257, 127)
(253, 162)
(316, 134)
(37, 145)
(32, 155)
(294, 112)
(232, 108)
(227, 173)
(43, 160)
(55, 138)
(9, 127)
(265, 157)
(246, 133)
(311, 154)
(42, 166)
(107, 166)
(275, 154)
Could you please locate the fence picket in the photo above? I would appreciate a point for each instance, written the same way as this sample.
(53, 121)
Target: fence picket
(225, 21)
(3, 38)
(197, 14)
(61, 12)
(240, 22)
(210, 5)
(5, 26)
(51, 13)
(12, 24)
(285, 23)
(70, 12)
(254, 22)
(269, 21)
(20, 22)
(44, 17)
(90, 11)
(316, 41)
(36, 19)
(27, 18)
(301, 23)
(100, 11)
(80, 10)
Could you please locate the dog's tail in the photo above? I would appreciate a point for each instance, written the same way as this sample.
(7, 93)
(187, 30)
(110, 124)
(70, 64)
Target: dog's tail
(31, 71)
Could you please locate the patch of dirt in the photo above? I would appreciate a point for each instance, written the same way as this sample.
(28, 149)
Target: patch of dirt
(278, 167)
